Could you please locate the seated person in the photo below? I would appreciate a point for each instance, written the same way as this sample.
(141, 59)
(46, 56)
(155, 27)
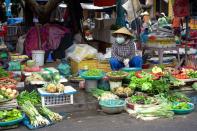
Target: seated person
(123, 51)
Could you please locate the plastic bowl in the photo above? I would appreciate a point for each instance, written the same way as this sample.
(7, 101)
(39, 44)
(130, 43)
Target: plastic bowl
(83, 75)
(127, 69)
(112, 106)
(13, 122)
(181, 111)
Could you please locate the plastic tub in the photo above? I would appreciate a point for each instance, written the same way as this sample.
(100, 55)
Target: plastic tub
(38, 56)
(112, 106)
(186, 111)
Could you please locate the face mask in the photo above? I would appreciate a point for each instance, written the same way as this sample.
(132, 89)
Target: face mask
(120, 40)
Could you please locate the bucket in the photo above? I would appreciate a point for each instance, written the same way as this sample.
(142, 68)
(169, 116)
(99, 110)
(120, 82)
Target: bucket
(38, 56)
(90, 84)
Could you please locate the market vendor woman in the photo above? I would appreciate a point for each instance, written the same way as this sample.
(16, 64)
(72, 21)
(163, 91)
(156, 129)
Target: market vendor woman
(123, 51)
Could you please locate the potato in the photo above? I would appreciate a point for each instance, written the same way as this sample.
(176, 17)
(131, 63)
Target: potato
(3, 88)
(14, 91)
(8, 91)
(12, 95)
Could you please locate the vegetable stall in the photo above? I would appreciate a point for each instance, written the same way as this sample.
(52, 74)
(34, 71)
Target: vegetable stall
(149, 94)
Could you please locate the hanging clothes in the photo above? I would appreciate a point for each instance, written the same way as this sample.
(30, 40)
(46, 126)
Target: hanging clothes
(8, 8)
(50, 35)
(181, 8)
(120, 20)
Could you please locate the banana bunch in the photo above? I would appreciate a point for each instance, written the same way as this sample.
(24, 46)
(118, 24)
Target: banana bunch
(18, 57)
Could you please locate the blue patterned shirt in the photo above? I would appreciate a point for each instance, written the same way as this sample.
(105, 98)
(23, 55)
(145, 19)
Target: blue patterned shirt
(123, 51)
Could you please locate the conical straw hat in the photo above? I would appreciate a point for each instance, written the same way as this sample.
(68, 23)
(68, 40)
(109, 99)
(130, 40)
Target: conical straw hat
(122, 30)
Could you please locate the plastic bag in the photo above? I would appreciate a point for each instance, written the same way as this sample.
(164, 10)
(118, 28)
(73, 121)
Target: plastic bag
(14, 66)
(64, 69)
(79, 52)
(103, 84)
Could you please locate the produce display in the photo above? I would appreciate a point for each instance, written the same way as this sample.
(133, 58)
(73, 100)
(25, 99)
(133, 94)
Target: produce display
(159, 111)
(178, 97)
(192, 74)
(157, 70)
(123, 92)
(19, 57)
(8, 83)
(194, 86)
(34, 116)
(93, 72)
(142, 99)
(145, 94)
(108, 96)
(54, 117)
(54, 88)
(33, 97)
(3, 73)
(32, 69)
(185, 73)
(97, 93)
(34, 77)
(117, 75)
(10, 115)
(180, 106)
(147, 84)
(51, 77)
(142, 74)
(7, 94)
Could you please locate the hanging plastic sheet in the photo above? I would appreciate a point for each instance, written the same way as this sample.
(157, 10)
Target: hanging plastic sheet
(132, 8)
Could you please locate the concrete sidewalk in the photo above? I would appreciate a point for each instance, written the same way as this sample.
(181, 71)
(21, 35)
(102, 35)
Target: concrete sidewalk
(97, 121)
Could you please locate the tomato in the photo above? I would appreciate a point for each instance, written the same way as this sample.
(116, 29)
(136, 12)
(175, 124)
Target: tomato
(181, 76)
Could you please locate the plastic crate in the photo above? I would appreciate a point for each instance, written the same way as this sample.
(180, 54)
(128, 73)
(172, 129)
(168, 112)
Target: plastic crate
(89, 64)
(57, 99)
(104, 65)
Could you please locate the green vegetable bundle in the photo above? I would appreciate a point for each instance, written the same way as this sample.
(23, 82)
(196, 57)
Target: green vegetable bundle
(162, 111)
(178, 97)
(146, 84)
(3, 73)
(97, 92)
(33, 97)
(192, 74)
(140, 99)
(54, 117)
(35, 118)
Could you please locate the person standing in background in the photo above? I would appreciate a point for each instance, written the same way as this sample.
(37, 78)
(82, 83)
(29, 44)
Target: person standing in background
(177, 24)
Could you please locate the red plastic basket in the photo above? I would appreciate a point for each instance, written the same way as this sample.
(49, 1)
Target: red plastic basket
(104, 2)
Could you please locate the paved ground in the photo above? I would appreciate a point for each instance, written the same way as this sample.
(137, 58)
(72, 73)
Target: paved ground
(96, 121)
